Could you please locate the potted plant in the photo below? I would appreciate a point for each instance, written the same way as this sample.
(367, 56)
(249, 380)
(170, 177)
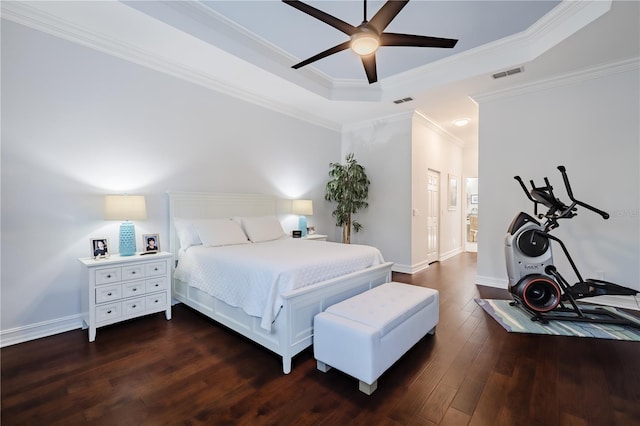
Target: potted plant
(349, 187)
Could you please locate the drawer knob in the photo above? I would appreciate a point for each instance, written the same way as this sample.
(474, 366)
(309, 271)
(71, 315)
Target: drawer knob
(109, 276)
(134, 306)
(155, 269)
(109, 294)
(108, 312)
(133, 272)
(135, 289)
(157, 285)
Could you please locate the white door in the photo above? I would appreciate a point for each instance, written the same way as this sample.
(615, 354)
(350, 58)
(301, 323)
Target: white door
(433, 215)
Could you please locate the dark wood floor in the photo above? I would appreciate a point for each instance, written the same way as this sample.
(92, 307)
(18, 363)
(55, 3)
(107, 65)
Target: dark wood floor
(191, 371)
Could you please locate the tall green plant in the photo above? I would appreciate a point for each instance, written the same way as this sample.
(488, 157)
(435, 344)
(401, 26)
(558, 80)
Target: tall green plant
(349, 187)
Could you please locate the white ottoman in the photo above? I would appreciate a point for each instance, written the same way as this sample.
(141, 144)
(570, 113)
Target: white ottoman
(364, 335)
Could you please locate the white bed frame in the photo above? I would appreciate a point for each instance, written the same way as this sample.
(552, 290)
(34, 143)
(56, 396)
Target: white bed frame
(292, 330)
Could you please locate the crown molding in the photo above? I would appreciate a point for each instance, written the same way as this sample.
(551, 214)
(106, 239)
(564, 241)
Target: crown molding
(563, 21)
(405, 116)
(561, 80)
(238, 41)
(439, 130)
(104, 26)
(30, 15)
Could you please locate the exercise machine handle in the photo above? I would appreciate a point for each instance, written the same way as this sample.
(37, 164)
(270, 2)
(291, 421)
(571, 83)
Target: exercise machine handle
(526, 191)
(567, 185)
(524, 188)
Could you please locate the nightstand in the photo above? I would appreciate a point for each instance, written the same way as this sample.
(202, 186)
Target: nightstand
(123, 287)
(316, 237)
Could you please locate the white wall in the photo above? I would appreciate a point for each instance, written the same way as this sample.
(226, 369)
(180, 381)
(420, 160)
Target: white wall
(78, 124)
(383, 147)
(589, 123)
(397, 153)
(434, 150)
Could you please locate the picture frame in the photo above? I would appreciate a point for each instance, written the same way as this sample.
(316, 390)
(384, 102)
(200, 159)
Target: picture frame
(151, 243)
(99, 248)
(474, 198)
(311, 230)
(452, 194)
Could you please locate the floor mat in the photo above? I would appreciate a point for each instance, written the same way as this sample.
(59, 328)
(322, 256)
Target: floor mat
(517, 320)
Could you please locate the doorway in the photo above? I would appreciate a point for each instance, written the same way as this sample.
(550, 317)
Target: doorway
(433, 216)
(471, 189)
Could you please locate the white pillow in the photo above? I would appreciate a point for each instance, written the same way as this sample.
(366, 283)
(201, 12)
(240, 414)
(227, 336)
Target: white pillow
(264, 228)
(220, 232)
(187, 233)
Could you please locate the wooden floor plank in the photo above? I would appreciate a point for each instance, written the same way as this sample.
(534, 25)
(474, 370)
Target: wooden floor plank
(190, 370)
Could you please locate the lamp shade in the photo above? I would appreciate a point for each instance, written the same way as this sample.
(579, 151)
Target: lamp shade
(302, 207)
(125, 207)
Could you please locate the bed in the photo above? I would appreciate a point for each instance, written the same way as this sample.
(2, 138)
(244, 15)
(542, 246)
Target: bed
(283, 321)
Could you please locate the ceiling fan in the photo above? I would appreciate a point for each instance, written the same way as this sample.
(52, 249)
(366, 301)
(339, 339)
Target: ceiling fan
(369, 35)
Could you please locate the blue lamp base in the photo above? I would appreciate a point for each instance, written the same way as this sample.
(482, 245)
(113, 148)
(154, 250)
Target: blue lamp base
(127, 239)
(302, 225)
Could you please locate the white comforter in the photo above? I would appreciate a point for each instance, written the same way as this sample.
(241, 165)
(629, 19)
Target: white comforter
(254, 276)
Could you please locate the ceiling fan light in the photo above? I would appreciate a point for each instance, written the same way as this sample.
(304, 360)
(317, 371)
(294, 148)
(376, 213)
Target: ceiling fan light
(364, 44)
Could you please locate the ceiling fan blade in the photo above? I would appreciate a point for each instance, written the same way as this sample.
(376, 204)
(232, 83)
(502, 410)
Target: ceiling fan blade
(323, 16)
(393, 39)
(334, 49)
(386, 14)
(369, 63)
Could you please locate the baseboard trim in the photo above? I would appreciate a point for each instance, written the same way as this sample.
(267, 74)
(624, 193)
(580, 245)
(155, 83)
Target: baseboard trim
(450, 254)
(492, 282)
(23, 334)
(409, 269)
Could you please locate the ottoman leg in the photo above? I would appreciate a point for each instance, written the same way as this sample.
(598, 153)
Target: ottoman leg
(366, 388)
(323, 367)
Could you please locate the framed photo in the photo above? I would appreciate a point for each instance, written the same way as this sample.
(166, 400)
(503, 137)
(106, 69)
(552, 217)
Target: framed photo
(453, 192)
(474, 198)
(99, 248)
(151, 243)
(311, 230)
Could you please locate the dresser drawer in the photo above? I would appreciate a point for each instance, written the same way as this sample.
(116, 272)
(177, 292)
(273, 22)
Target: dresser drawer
(120, 288)
(108, 312)
(156, 268)
(133, 306)
(105, 276)
(134, 288)
(132, 272)
(108, 293)
(155, 284)
(156, 301)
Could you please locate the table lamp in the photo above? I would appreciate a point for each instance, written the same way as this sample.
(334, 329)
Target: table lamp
(303, 208)
(127, 208)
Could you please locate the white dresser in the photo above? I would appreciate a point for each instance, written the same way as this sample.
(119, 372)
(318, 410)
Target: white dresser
(124, 287)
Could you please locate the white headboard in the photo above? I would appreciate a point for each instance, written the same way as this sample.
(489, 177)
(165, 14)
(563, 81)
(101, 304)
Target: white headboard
(203, 205)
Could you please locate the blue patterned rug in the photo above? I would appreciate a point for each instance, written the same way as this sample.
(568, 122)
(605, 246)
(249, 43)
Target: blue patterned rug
(516, 320)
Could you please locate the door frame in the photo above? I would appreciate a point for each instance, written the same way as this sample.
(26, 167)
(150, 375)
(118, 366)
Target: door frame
(433, 256)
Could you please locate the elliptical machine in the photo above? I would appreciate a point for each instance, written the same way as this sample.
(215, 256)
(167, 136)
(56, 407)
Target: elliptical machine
(534, 282)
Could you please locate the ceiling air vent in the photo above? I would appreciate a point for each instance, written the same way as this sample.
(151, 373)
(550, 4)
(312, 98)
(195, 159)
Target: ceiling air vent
(509, 72)
(401, 101)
